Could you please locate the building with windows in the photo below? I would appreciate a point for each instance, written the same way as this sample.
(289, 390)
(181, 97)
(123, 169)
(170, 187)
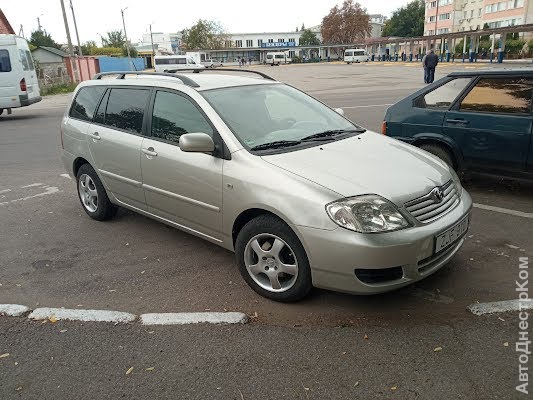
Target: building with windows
(447, 16)
(5, 26)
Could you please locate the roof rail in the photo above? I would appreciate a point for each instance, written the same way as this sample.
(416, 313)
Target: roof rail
(122, 74)
(196, 70)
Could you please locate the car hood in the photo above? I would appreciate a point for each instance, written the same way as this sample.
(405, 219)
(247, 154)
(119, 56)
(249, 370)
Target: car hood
(369, 163)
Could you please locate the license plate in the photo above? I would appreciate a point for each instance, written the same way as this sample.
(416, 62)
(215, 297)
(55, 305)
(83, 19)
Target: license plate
(451, 235)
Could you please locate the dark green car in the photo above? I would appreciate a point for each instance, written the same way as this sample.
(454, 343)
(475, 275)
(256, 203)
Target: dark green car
(475, 121)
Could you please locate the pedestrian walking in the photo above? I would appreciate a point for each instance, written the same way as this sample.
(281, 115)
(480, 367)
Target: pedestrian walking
(430, 63)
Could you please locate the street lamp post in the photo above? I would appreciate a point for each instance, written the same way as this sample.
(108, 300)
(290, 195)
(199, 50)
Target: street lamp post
(73, 63)
(126, 37)
(80, 53)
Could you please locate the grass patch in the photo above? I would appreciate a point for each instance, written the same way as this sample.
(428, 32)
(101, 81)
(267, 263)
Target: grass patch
(58, 89)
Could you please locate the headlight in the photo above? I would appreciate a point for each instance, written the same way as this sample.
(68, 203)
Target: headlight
(366, 214)
(457, 182)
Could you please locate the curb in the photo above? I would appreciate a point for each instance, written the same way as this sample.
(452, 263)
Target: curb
(117, 317)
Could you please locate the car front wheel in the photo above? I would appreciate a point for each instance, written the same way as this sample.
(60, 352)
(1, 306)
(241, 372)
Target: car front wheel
(440, 152)
(272, 260)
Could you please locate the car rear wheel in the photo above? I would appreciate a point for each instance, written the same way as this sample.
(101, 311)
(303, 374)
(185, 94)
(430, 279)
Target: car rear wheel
(440, 152)
(93, 196)
(1, 111)
(272, 260)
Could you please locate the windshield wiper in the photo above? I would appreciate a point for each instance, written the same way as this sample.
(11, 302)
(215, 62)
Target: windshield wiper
(328, 134)
(276, 145)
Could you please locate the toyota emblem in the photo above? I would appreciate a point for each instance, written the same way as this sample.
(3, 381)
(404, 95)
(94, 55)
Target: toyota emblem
(437, 195)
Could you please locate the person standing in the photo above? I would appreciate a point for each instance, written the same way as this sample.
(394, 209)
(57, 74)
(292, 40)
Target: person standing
(431, 61)
(425, 69)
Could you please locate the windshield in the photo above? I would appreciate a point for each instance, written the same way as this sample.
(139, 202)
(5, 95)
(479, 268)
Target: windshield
(261, 114)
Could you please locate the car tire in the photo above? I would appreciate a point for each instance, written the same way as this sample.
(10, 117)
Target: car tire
(93, 196)
(282, 272)
(1, 111)
(440, 152)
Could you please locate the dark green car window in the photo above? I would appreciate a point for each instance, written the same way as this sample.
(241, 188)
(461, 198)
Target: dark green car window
(497, 95)
(443, 97)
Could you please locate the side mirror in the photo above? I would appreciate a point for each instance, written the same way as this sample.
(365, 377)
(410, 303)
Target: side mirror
(196, 143)
(339, 111)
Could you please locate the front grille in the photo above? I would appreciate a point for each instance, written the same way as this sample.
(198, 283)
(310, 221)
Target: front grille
(426, 209)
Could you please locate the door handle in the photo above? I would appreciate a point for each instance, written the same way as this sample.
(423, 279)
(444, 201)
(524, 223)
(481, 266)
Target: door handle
(94, 136)
(149, 152)
(458, 121)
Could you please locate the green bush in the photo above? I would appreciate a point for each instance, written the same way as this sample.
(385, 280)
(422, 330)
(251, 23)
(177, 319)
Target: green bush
(58, 89)
(297, 60)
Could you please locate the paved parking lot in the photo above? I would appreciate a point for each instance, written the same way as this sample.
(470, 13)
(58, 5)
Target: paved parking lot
(53, 255)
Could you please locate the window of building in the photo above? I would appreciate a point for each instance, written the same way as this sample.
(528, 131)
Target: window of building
(479, 12)
(238, 43)
(249, 43)
(292, 40)
(444, 2)
(175, 115)
(431, 19)
(433, 4)
(444, 16)
(125, 109)
(270, 40)
(5, 62)
(471, 13)
(443, 97)
(509, 96)
(281, 40)
(259, 42)
(85, 103)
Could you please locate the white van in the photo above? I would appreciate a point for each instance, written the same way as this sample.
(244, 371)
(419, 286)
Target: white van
(175, 63)
(19, 86)
(356, 55)
(277, 58)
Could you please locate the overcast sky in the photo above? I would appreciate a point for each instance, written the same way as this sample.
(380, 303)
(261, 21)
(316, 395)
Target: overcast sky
(237, 16)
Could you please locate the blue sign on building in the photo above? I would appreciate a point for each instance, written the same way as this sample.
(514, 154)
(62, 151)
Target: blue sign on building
(279, 44)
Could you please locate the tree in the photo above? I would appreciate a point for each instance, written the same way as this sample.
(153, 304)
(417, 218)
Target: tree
(204, 35)
(87, 47)
(114, 39)
(406, 21)
(347, 24)
(43, 38)
(308, 38)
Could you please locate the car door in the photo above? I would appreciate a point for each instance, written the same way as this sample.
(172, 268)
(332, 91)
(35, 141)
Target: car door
(185, 188)
(115, 140)
(494, 123)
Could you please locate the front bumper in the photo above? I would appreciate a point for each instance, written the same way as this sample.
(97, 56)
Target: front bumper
(334, 256)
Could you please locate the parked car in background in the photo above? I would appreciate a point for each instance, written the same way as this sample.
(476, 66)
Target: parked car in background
(278, 57)
(175, 63)
(474, 121)
(356, 56)
(303, 196)
(209, 63)
(19, 86)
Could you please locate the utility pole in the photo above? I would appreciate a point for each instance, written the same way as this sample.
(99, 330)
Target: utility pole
(126, 37)
(76, 77)
(39, 22)
(80, 53)
(21, 31)
(152, 40)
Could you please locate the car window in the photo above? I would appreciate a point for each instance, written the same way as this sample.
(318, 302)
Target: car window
(173, 115)
(24, 60)
(125, 109)
(5, 62)
(85, 103)
(30, 60)
(443, 97)
(181, 61)
(512, 96)
(348, 53)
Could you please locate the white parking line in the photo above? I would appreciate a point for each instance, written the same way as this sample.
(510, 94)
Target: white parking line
(65, 176)
(499, 307)
(504, 210)
(13, 310)
(32, 185)
(5, 191)
(81, 315)
(49, 190)
(194, 318)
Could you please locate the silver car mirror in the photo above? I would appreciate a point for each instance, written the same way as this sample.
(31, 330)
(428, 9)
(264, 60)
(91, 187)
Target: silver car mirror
(339, 111)
(196, 143)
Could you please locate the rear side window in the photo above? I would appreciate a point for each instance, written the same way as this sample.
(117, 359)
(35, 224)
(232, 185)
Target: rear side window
(85, 103)
(181, 61)
(443, 97)
(30, 60)
(5, 62)
(125, 109)
(348, 53)
(24, 60)
(509, 96)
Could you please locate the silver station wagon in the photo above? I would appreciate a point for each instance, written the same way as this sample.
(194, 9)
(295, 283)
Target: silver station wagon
(303, 196)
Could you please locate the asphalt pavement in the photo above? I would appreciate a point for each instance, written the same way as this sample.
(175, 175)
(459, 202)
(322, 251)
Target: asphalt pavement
(327, 347)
